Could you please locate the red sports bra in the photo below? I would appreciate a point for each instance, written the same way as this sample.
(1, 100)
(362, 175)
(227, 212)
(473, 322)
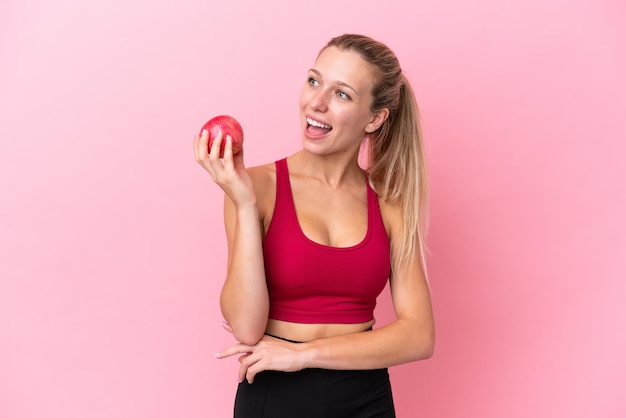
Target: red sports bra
(310, 282)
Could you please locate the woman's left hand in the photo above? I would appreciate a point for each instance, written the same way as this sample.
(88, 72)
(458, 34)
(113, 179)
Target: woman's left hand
(268, 354)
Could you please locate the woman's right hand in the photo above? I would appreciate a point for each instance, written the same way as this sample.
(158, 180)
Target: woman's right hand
(228, 172)
(244, 298)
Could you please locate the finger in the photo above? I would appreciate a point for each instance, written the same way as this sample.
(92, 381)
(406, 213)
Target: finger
(216, 146)
(198, 147)
(244, 371)
(196, 140)
(252, 371)
(235, 349)
(228, 151)
(251, 365)
(239, 155)
(227, 326)
(203, 141)
(245, 361)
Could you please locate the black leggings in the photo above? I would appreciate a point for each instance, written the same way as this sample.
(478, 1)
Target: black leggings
(316, 393)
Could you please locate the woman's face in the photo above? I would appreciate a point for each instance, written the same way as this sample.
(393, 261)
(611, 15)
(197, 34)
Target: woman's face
(335, 102)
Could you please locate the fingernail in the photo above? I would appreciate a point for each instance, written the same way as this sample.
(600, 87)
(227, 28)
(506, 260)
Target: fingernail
(216, 355)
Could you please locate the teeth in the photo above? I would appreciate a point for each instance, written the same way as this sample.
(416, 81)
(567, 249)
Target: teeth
(316, 123)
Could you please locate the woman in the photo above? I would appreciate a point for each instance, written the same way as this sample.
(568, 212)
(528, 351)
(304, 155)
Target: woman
(313, 239)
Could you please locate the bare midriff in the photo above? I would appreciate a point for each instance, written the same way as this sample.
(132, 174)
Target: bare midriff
(309, 332)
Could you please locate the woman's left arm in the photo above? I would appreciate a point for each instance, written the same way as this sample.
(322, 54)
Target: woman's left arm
(409, 338)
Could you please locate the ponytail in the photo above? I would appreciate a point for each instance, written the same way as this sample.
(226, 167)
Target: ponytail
(398, 173)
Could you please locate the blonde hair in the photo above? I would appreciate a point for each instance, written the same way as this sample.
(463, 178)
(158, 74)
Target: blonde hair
(397, 164)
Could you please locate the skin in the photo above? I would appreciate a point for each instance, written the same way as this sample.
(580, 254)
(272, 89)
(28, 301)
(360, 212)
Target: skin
(337, 92)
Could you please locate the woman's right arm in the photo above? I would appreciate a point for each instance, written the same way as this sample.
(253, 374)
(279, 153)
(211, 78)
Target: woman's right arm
(244, 299)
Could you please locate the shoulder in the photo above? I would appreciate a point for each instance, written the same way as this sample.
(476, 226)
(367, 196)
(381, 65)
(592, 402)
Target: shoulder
(262, 175)
(264, 182)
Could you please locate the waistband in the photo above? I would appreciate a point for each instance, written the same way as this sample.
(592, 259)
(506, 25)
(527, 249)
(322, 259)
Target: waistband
(294, 341)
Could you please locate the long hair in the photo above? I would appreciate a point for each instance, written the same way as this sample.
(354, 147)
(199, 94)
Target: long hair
(397, 164)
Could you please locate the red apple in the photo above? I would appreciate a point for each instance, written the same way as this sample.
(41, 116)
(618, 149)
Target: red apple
(229, 126)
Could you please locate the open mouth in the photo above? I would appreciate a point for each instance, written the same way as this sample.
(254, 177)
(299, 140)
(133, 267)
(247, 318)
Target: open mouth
(317, 128)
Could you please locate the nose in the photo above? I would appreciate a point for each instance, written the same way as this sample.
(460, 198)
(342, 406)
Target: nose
(319, 101)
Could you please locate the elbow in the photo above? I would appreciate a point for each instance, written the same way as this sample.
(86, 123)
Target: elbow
(429, 349)
(248, 337)
(247, 327)
(424, 345)
(248, 331)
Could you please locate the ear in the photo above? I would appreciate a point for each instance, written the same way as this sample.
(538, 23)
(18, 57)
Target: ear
(378, 118)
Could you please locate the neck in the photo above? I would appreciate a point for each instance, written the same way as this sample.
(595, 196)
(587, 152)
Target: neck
(334, 170)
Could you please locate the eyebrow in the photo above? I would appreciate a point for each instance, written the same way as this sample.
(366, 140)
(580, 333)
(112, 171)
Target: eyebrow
(341, 83)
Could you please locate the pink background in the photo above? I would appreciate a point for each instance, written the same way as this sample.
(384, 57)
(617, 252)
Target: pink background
(111, 238)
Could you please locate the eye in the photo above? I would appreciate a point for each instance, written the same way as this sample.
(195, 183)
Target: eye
(343, 95)
(313, 82)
